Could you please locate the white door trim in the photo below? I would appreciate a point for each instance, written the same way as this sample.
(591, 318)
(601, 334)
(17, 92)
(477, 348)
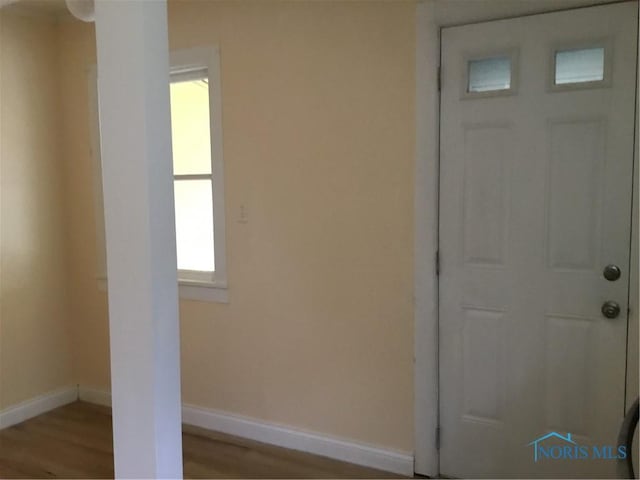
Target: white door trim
(426, 211)
(633, 327)
(426, 461)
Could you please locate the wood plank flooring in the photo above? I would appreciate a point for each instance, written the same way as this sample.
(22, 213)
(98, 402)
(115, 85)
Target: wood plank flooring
(75, 441)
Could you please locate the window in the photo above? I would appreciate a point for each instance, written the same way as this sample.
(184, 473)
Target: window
(579, 65)
(192, 174)
(196, 133)
(489, 74)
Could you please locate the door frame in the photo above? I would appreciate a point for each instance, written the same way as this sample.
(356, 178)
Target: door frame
(431, 17)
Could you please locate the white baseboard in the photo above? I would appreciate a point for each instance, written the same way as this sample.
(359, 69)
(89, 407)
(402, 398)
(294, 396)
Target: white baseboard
(281, 436)
(36, 406)
(92, 395)
(318, 444)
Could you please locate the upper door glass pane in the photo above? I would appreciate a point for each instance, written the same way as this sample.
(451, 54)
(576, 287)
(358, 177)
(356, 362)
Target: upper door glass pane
(190, 127)
(489, 74)
(579, 66)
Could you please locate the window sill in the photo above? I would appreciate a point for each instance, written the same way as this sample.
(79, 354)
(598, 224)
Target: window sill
(203, 291)
(214, 292)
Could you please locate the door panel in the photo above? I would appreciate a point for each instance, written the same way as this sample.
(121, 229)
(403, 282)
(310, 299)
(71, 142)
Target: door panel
(575, 194)
(535, 200)
(484, 194)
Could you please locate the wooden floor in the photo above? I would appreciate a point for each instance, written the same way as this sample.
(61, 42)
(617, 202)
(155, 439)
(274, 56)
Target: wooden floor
(75, 441)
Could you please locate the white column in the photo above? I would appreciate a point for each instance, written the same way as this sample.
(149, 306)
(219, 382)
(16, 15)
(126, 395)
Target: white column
(133, 83)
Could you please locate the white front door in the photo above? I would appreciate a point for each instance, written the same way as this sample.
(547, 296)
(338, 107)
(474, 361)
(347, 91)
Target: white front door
(536, 162)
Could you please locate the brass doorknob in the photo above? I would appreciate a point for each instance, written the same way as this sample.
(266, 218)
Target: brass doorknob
(610, 309)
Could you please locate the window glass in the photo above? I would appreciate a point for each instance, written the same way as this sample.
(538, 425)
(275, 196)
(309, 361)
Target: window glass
(578, 66)
(194, 225)
(190, 129)
(489, 74)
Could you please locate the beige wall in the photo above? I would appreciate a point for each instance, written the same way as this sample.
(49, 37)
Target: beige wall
(318, 125)
(34, 321)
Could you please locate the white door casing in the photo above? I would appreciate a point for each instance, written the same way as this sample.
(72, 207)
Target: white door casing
(535, 200)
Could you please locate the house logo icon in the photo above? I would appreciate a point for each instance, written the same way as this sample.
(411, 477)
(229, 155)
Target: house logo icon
(541, 439)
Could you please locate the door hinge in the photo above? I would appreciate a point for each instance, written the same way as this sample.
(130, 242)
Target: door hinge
(439, 78)
(437, 262)
(437, 438)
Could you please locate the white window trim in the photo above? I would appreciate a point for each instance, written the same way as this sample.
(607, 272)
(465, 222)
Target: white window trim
(193, 285)
(184, 63)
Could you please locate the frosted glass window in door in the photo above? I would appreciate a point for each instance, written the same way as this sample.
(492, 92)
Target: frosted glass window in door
(579, 65)
(489, 74)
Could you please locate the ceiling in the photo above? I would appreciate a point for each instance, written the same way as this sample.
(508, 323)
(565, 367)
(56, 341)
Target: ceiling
(452, 12)
(448, 12)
